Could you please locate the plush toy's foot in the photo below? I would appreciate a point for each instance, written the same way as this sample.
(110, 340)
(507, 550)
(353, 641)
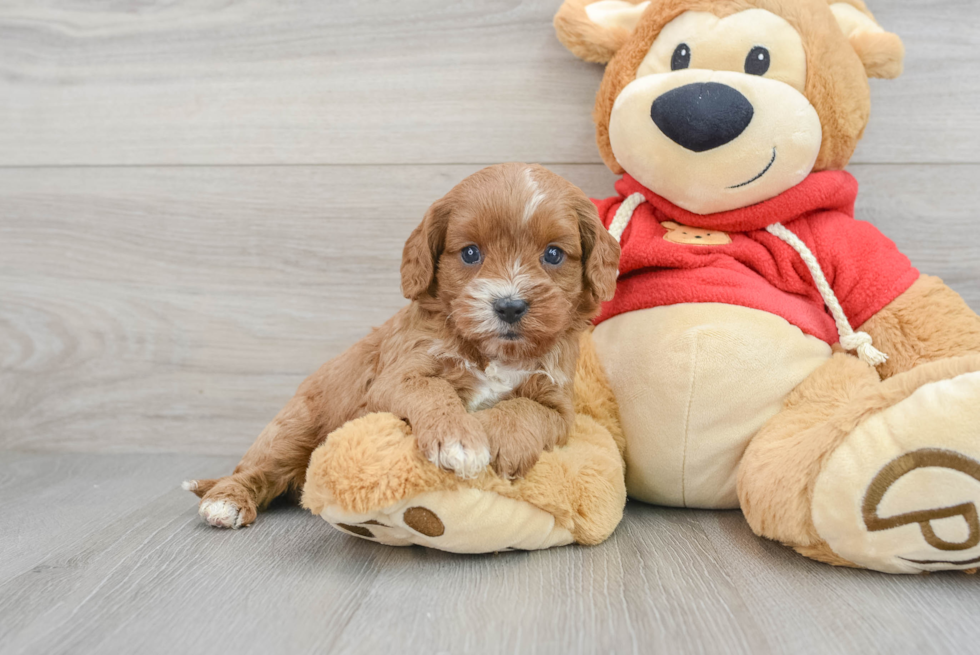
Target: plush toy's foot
(370, 480)
(901, 492)
(881, 475)
(462, 521)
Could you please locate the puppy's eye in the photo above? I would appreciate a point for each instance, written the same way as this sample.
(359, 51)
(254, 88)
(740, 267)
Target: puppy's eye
(553, 255)
(471, 255)
(681, 58)
(757, 63)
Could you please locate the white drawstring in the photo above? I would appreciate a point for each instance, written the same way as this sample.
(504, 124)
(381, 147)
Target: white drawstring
(624, 214)
(849, 339)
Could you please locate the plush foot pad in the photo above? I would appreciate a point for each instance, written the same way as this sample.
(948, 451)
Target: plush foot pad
(901, 494)
(462, 521)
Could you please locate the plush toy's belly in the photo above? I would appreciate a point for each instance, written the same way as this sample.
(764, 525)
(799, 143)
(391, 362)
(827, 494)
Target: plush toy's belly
(694, 383)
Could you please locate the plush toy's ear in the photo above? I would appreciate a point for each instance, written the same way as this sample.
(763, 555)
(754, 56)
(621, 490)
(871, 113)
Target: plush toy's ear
(422, 251)
(669, 225)
(881, 52)
(600, 252)
(595, 29)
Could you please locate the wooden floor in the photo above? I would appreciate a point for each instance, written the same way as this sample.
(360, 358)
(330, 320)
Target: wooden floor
(200, 200)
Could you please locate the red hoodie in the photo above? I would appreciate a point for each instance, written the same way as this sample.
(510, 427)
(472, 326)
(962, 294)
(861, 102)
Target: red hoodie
(758, 270)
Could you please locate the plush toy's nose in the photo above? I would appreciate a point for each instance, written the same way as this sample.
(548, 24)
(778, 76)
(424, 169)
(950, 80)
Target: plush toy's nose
(702, 116)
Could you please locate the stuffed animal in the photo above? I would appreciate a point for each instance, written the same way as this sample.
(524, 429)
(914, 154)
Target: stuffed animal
(769, 351)
(764, 351)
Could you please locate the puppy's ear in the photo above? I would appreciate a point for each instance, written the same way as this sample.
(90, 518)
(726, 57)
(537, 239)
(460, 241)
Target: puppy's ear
(881, 52)
(600, 252)
(422, 251)
(594, 30)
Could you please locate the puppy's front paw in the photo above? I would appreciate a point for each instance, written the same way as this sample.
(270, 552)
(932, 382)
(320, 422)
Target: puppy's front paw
(513, 460)
(459, 446)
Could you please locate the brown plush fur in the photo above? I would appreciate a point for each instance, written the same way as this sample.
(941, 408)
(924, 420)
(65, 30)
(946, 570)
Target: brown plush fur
(422, 364)
(373, 463)
(585, 39)
(927, 323)
(836, 85)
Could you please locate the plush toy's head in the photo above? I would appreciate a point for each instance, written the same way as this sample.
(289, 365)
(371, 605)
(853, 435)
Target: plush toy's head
(720, 104)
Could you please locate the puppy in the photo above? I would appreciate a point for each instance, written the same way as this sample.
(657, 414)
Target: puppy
(504, 273)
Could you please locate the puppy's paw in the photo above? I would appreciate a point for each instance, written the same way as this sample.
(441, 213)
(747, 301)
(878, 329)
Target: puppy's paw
(513, 460)
(221, 513)
(466, 462)
(460, 447)
(226, 504)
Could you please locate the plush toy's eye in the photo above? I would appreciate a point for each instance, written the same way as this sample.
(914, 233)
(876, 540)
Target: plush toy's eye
(757, 63)
(471, 255)
(553, 255)
(681, 58)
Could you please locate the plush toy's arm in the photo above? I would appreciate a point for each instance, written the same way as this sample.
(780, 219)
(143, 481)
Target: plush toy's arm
(926, 323)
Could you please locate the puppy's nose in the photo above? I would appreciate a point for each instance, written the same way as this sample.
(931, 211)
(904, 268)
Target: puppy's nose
(702, 116)
(510, 310)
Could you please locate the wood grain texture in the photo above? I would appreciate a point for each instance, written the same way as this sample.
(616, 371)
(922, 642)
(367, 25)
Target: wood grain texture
(387, 81)
(172, 266)
(148, 576)
(176, 309)
(48, 502)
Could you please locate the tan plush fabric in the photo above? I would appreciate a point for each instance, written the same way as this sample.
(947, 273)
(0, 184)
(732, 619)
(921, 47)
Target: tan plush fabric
(458, 521)
(696, 382)
(780, 467)
(920, 494)
(372, 464)
(583, 37)
(908, 328)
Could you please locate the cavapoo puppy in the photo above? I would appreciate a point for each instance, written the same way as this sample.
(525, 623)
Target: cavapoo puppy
(504, 273)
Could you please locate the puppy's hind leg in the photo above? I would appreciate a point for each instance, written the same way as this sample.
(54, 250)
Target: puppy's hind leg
(275, 463)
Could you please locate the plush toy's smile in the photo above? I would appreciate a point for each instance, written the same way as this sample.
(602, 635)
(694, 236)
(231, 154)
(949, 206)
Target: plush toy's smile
(764, 171)
(688, 148)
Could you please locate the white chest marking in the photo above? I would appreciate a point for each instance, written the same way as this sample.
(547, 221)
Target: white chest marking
(495, 382)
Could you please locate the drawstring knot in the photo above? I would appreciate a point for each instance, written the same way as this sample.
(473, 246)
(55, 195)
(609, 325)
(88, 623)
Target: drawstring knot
(859, 342)
(849, 339)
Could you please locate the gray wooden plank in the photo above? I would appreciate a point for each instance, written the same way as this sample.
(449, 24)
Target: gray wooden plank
(655, 587)
(805, 606)
(158, 580)
(390, 81)
(152, 578)
(175, 310)
(52, 500)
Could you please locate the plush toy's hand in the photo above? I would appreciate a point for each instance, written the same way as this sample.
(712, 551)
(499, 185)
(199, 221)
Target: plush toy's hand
(458, 444)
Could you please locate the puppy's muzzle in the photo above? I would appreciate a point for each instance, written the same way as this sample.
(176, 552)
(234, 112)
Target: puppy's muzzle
(510, 310)
(702, 116)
